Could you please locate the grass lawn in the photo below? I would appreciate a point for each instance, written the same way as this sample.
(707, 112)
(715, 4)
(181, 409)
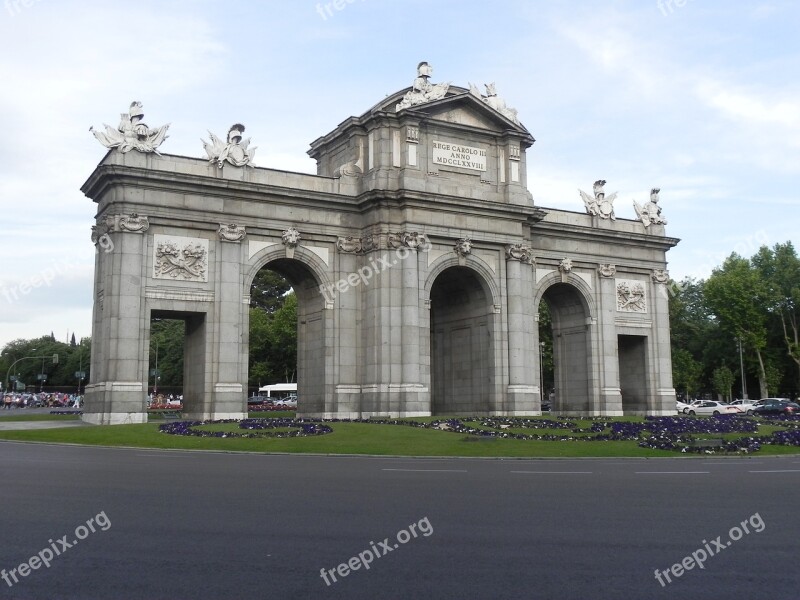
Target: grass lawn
(367, 438)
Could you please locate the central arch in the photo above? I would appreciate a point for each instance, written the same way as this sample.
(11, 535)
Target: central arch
(462, 352)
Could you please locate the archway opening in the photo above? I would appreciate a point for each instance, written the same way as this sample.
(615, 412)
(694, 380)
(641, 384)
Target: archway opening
(570, 350)
(632, 352)
(546, 374)
(462, 356)
(176, 370)
(286, 333)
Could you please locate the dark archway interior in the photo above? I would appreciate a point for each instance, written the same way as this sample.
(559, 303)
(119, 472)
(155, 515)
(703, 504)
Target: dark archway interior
(632, 352)
(311, 339)
(462, 367)
(571, 351)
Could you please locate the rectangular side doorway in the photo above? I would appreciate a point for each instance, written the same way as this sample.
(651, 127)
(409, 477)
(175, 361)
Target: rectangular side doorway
(190, 381)
(632, 352)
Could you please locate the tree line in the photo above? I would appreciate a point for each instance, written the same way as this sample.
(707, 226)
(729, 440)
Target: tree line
(26, 360)
(745, 315)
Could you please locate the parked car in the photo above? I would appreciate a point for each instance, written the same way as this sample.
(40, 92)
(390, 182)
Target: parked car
(692, 404)
(746, 406)
(712, 407)
(763, 400)
(777, 406)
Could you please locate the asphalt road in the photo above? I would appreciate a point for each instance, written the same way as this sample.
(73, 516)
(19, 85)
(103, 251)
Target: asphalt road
(182, 525)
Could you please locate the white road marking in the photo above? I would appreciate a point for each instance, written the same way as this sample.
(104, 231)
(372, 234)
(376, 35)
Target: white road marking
(673, 472)
(556, 472)
(429, 470)
(778, 471)
(730, 462)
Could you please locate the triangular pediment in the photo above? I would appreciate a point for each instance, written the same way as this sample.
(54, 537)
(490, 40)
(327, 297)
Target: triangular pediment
(460, 107)
(464, 114)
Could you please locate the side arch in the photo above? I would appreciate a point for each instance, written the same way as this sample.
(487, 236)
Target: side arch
(306, 272)
(552, 279)
(574, 316)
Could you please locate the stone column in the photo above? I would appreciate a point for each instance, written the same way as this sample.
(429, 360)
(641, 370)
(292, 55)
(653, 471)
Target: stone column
(661, 396)
(414, 396)
(228, 396)
(524, 394)
(610, 392)
(117, 390)
(352, 270)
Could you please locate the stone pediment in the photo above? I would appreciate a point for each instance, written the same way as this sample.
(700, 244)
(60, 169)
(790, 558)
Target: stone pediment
(460, 107)
(439, 138)
(468, 115)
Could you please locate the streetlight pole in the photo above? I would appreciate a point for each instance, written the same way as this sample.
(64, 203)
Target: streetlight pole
(8, 373)
(741, 367)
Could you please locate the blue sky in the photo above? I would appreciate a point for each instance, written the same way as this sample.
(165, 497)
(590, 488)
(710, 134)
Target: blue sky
(698, 97)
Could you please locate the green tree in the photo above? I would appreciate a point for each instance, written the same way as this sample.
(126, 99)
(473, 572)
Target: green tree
(273, 330)
(283, 340)
(689, 316)
(723, 381)
(167, 337)
(779, 268)
(268, 291)
(774, 377)
(38, 359)
(273, 343)
(546, 337)
(686, 371)
(737, 296)
(696, 337)
(259, 347)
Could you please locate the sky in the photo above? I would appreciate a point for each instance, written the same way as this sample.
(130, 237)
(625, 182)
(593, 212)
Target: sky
(698, 97)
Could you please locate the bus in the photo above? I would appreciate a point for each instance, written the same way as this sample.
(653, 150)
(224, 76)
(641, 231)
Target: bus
(278, 390)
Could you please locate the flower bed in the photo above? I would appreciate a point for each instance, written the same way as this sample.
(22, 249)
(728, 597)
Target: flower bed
(660, 433)
(255, 428)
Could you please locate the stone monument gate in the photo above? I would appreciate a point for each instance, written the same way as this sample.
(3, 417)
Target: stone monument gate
(418, 257)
